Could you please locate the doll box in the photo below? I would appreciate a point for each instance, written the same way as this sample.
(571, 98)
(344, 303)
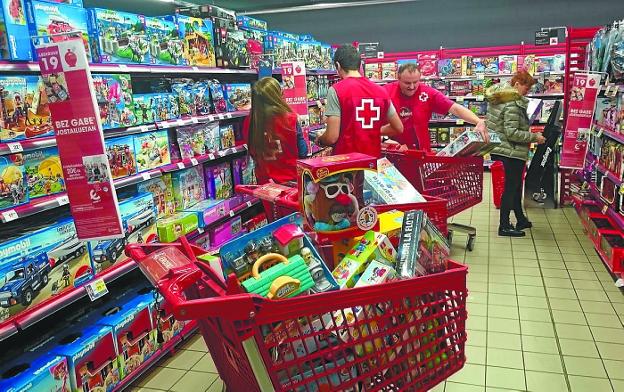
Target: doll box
(173, 227)
(16, 44)
(34, 371)
(188, 187)
(114, 97)
(218, 180)
(118, 37)
(209, 211)
(225, 232)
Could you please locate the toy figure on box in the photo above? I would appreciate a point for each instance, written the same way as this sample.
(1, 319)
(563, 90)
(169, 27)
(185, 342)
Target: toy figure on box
(219, 181)
(162, 190)
(144, 108)
(191, 141)
(188, 187)
(13, 119)
(114, 96)
(197, 35)
(44, 173)
(227, 136)
(217, 97)
(212, 137)
(330, 204)
(120, 152)
(152, 150)
(12, 181)
(120, 37)
(166, 46)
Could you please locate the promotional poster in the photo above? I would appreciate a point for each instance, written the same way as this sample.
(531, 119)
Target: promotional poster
(295, 89)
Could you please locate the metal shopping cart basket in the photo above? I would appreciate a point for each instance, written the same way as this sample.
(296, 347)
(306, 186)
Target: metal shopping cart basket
(400, 336)
(459, 180)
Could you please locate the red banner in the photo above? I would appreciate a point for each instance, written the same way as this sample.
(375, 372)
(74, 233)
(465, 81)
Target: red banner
(295, 89)
(579, 121)
(80, 140)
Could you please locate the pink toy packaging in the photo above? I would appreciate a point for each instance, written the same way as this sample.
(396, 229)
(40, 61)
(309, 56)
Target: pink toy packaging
(428, 65)
(225, 232)
(218, 179)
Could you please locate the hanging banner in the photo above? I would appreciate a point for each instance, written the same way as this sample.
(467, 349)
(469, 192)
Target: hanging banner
(295, 88)
(78, 130)
(579, 121)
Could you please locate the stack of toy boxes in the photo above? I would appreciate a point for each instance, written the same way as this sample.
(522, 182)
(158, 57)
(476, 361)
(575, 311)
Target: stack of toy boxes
(13, 186)
(15, 43)
(197, 39)
(154, 107)
(44, 173)
(114, 96)
(40, 265)
(34, 371)
(25, 113)
(59, 21)
(118, 37)
(255, 32)
(166, 46)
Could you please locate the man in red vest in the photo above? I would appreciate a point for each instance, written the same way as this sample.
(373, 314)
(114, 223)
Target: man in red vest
(357, 109)
(415, 102)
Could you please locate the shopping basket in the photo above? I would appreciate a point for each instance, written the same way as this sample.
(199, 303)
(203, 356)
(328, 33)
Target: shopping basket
(498, 182)
(278, 200)
(401, 336)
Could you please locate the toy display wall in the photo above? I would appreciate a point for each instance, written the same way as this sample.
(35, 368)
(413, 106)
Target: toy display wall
(172, 128)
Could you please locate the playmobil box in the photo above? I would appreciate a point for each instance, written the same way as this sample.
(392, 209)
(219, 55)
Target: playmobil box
(118, 37)
(331, 193)
(166, 45)
(218, 179)
(167, 327)
(173, 227)
(388, 185)
(468, 143)
(207, 11)
(251, 23)
(191, 141)
(13, 117)
(144, 108)
(114, 96)
(44, 173)
(91, 358)
(230, 45)
(138, 217)
(38, 122)
(227, 136)
(151, 150)
(161, 189)
(243, 171)
(14, 33)
(238, 96)
(121, 157)
(61, 22)
(35, 371)
(134, 332)
(197, 39)
(13, 186)
(188, 187)
(225, 232)
(209, 211)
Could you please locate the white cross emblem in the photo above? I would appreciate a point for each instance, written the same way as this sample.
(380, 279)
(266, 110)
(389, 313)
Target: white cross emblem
(367, 113)
(424, 97)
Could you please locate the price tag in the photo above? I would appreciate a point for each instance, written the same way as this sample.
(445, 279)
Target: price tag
(599, 133)
(229, 115)
(607, 90)
(231, 213)
(211, 156)
(15, 147)
(480, 76)
(249, 203)
(146, 176)
(96, 289)
(62, 200)
(194, 162)
(123, 66)
(220, 116)
(195, 69)
(194, 120)
(180, 165)
(10, 215)
(605, 209)
(181, 122)
(459, 99)
(480, 98)
(459, 121)
(144, 128)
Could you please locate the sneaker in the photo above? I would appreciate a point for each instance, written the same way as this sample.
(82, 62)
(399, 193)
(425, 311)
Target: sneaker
(510, 231)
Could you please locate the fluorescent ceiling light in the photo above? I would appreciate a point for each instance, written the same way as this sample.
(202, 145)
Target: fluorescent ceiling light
(325, 6)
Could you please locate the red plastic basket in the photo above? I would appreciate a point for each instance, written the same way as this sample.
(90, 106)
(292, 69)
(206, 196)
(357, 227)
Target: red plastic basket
(401, 336)
(498, 182)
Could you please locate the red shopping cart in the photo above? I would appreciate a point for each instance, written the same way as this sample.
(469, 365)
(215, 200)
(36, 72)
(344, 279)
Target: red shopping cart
(458, 180)
(497, 171)
(401, 336)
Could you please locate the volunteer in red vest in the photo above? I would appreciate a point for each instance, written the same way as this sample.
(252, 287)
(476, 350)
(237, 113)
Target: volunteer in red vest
(273, 134)
(357, 110)
(415, 102)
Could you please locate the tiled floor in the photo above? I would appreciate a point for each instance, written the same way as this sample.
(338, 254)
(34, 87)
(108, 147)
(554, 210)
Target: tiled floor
(544, 315)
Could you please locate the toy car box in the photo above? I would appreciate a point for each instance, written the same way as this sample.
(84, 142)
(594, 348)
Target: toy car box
(166, 46)
(44, 173)
(173, 227)
(114, 96)
(152, 150)
(388, 185)
(59, 21)
(331, 193)
(34, 371)
(188, 187)
(15, 43)
(375, 273)
(118, 37)
(218, 179)
(13, 187)
(238, 96)
(134, 332)
(121, 158)
(138, 217)
(91, 358)
(198, 39)
(161, 189)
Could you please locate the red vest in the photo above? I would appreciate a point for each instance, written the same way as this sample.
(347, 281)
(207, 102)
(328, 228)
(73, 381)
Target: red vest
(281, 166)
(364, 110)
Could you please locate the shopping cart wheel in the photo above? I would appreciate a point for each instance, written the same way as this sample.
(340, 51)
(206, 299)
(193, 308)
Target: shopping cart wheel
(449, 237)
(470, 243)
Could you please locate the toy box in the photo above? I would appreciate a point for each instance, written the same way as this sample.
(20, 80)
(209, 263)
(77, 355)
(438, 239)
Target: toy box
(375, 273)
(60, 22)
(167, 327)
(255, 45)
(227, 136)
(91, 358)
(138, 217)
(225, 232)
(460, 88)
(44, 173)
(388, 185)
(134, 332)
(477, 87)
(209, 211)
(218, 179)
(13, 187)
(35, 371)
(144, 108)
(188, 187)
(478, 108)
(198, 39)
(162, 192)
(212, 136)
(449, 67)
(152, 150)
(388, 70)
(38, 121)
(175, 226)
(331, 193)
(428, 64)
(527, 63)
(114, 96)
(468, 143)
(166, 106)
(14, 34)
(166, 45)
(243, 171)
(191, 141)
(231, 45)
(13, 118)
(217, 97)
(507, 64)
(238, 96)
(121, 158)
(119, 37)
(249, 22)
(372, 71)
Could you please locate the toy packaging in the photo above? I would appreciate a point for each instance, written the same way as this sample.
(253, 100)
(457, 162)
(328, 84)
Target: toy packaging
(191, 141)
(225, 232)
(450, 67)
(13, 118)
(152, 150)
(255, 45)
(507, 64)
(121, 158)
(56, 19)
(188, 187)
(13, 187)
(388, 70)
(138, 217)
(460, 88)
(198, 39)
(478, 108)
(166, 46)
(38, 121)
(44, 172)
(144, 111)
(209, 211)
(466, 66)
(114, 96)
(35, 371)
(162, 192)
(331, 193)
(14, 33)
(428, 64)
(388, 185)
(42, 265)
(373, 71)
(212, 136)
(173, 227)
(217, 97)
(477, 87)
(469, 143)
(243, 171)
(375, 273)
(119, 37)
(249, 22)
(238, 96)
(527, 63)
(231, 45)
(371, 246)
(228, 138)
(218, 179)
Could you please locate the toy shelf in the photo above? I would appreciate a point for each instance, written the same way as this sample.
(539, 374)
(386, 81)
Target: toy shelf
(137, 178)
(471, 77)
(609, 132)
(186, 163)
(26, 145)
(278, 71)
(201, 119)
(613, 177)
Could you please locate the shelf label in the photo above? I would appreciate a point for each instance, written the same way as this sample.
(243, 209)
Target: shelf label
(144, 128)
(599, 133)
(122, 66)
(96, 289)
(220, 116)
(146, 176)
(229, 115)
(249, 203)
(459, 99)
(231, 213)
(200, 230)
(194, 120)
(9, 215)
(196, 69)
(211, 156)
(459, 121)
(62, 200)
(480, 98)
(194, 162)
(480, 76)
(180, 122)
(15, 147)
(180, 165)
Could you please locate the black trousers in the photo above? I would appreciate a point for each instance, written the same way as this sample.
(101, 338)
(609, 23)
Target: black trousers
(512, 195)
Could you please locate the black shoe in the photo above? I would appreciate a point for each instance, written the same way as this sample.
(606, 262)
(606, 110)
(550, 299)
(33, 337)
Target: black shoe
(509, 231)
(524, 224)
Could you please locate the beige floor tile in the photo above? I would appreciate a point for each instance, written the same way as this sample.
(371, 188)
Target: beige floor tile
(608, 335)
(530, 291)
(532, 302)
(536, 328)
(542, 362)
(457, 387)
(502, 299)
(529, 280)
(503, 325)
(554, 273)
(583, 275)
(504, 340)
(216, 386)
(603, 320)
(592, 295)
(470, 374)
(502, 288)
(194, 381)
(582, 366)
(560, 293)
(161, 378)
(205, 364)
(504, 358)
(572, 331)
(535, 314)
(196, 343)
(505, 378)
(566, 317)
(539, 344)
(614, 370)
(612, 350)
(587, 384)
(506, 312)
(475, 355)
(477, 338)
(578, 348)
(570, 305)
(477, 323)
(545, 382)
(561, 283)
(183, 359)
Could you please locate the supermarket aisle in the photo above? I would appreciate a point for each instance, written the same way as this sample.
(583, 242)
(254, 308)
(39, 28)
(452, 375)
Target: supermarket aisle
(544, 315)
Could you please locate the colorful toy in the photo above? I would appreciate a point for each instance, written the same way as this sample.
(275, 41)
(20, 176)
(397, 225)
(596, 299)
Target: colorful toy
(114, 97)
(255, 45)
(289, 239)
(372, 71)
(15, 37)
(35, 371)
(469, 143)
(44, 172)
(375, 273)
(191, 141)
(388, 70)
(121, 158)
(230, 45)
(228, 138)
(61, 22)
(144, 105)
(527, 63)
(460, 88)
(13, 119)
(152, 150)
(238, 96)
(188, 187)
(288, 278)
(13, 186)
(225, 232)
(166, 46)
(212, 136)
(161, 189)
(243, 171)
(218, 179)
(217, 97)
(450, 67)
(198, 40)
(38, 122)
(389, 186)
(119, 37)
(507, 64)
(173, 227)
(428, 64)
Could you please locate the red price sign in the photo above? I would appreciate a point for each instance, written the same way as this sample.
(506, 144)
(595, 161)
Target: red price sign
(50, 60)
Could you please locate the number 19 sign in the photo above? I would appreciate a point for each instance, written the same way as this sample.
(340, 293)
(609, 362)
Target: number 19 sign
(78, 130)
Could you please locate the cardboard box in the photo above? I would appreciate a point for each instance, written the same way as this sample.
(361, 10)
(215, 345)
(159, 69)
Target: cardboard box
(15, 43)
(166, 46)
(34, 371)
(114, 96)
(118, 37)
(389, 186)
(173, 227)
(198, 39)
(188, 187)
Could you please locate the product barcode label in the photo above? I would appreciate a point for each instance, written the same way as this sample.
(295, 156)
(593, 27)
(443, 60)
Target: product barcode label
(15, 147)
(211, 156)
(144, 128)
(96, 289)
(194, 162)
(62, 200)
(249, 203)
(180, 165)
(9, 215)
(146, 176)
(194, 120)
(195, 68)
(181, 122)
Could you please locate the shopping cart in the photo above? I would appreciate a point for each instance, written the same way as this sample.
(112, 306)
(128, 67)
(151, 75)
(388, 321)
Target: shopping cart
(497, 171)
(401, 336)
(459, 180)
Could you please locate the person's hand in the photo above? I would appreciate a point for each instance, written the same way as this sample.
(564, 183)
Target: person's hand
(483, 131)
(540, 139)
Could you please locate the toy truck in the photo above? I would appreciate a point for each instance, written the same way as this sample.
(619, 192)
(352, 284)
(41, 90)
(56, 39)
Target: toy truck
(20, 285)
(68, 250)
(108, 250)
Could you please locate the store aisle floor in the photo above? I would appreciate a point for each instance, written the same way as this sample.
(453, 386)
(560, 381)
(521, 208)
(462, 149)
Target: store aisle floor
(544, 314)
